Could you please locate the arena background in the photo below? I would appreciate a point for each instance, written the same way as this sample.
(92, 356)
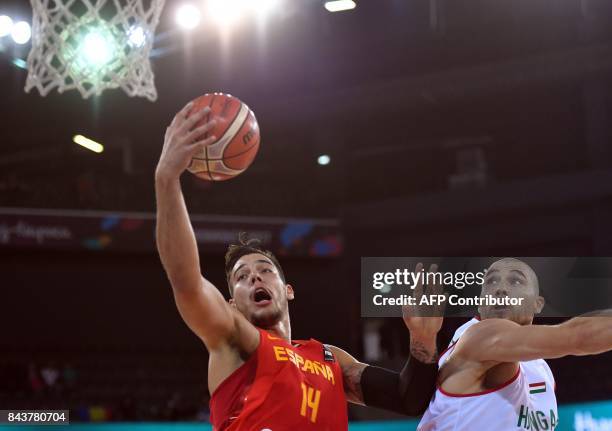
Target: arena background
(453, 128)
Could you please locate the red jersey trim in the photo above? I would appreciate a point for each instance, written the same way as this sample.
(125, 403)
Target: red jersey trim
(488, 391)
(453, 343)
(450, 346)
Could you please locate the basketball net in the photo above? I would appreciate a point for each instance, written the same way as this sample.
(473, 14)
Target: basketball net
(92, 46)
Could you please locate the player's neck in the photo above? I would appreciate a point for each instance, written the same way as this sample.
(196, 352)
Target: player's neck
(282, 328)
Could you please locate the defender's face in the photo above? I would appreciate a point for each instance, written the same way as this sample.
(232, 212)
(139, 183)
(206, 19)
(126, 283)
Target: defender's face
(511, 278)
(259, 292)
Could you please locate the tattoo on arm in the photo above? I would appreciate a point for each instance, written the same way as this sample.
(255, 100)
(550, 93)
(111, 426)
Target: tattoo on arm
(352, 382)
(423, 353)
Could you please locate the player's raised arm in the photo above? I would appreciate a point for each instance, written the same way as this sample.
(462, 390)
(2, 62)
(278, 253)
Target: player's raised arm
(201, 305)
(500, 340)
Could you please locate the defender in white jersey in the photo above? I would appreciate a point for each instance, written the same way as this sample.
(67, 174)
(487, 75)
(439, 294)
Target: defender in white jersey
(493, 375)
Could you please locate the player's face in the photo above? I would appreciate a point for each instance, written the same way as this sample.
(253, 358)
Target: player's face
(511, 278)
(259, 291)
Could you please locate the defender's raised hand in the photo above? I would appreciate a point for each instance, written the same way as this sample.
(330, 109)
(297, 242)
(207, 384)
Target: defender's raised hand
(424, 321)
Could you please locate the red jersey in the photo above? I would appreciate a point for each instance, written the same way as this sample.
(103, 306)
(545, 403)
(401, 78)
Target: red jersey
(282, 386)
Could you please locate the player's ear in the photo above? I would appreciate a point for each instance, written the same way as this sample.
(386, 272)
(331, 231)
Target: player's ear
(539, 304)
(290, 292)
(232, 302)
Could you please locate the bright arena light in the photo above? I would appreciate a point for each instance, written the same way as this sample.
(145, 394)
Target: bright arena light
(228, 11)
(340, 5)
(323, 160)
(21, 32)
(90, 49)
(188, 16)
(97, 48)
(88, 143)
(20, 63)
(264, 7)
(136, 37)
(6, 25)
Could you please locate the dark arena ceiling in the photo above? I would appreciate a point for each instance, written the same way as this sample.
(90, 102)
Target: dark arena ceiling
(403, 95)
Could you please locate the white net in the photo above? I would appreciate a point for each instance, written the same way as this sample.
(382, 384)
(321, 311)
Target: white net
(92, 46)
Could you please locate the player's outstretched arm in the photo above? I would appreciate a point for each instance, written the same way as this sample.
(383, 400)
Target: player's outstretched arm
(500, 340)
(200, 303)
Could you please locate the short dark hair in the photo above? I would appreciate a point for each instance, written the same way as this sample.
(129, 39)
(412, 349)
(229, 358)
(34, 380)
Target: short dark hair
(246, 246)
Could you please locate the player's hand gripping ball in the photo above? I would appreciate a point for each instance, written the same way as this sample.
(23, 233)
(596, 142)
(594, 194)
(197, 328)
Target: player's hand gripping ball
(237, 135)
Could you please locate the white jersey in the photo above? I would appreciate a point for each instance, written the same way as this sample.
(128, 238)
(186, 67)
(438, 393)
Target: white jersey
(526, 402)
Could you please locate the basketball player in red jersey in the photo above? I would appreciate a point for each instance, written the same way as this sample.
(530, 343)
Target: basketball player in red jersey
(259, 377)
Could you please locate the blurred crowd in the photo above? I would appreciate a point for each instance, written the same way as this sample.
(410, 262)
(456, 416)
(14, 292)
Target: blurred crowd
(99, 397)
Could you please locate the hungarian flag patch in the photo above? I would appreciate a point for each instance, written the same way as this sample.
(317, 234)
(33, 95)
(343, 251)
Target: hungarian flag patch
(537, 388)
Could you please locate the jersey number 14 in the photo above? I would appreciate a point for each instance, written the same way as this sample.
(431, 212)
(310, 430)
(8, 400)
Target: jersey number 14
(310, 401)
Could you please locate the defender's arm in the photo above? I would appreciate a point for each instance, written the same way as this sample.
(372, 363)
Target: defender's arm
(500, 340)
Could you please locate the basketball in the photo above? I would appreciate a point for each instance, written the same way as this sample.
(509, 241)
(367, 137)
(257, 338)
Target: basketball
(237, 135)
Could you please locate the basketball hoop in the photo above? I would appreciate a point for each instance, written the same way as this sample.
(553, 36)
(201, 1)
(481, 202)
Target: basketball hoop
(92, 46)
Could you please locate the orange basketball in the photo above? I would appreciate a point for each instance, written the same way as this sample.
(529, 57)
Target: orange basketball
(237, 135)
